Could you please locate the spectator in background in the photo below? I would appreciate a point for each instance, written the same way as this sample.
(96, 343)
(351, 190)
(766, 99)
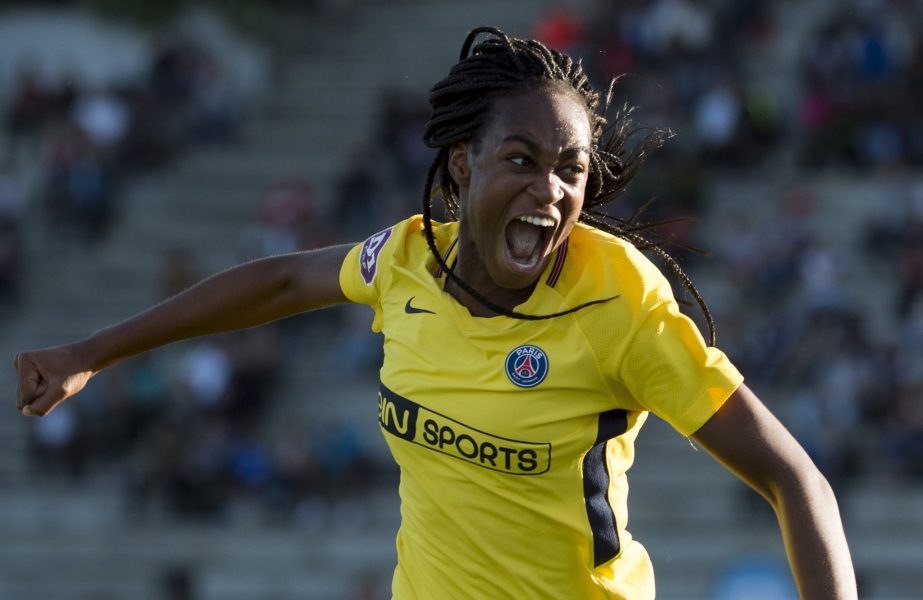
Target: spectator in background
(59, 443)
(717, 122)
(296, 466)
(903, 439)
(677, 28)
(147, 143)
(819, 272)
(205, 372)
(911, 271)
(369, 587)
(26, 112)
(558, 27)
(214, 110)
(170, 72)
(357, 191)
(200, 480)
(78, 189)
(856, 86)
(103, 117)
(11, 250)
(10, 262)
(146, 397)
(256, 359)
(402, 118)
(287, 218)
(63, 95)
(177, 583)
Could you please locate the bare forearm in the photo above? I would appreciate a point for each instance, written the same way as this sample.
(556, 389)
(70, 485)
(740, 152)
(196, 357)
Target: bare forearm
(244, 296)
(251, 294)
(815, 541)
(747, 439)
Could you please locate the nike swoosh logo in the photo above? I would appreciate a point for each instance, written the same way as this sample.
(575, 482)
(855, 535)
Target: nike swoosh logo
(413, 309)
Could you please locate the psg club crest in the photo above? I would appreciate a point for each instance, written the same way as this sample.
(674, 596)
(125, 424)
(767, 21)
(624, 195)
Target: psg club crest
(527, 366)
(368, 256)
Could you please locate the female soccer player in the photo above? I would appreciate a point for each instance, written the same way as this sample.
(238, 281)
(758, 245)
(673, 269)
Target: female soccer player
(524, 348)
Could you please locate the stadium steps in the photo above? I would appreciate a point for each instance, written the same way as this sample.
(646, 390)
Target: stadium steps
(56, 555)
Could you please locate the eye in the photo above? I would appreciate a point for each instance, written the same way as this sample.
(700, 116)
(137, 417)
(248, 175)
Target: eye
(521, 161)
(573, 171)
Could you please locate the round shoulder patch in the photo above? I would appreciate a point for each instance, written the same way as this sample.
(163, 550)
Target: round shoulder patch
(527, 366)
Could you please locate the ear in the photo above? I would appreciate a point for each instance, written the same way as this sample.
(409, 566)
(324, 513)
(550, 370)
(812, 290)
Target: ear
(459, 167)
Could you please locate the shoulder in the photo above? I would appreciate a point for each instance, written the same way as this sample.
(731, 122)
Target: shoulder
(373, 267)
(614, 266)
(400, 245)
(405, 242)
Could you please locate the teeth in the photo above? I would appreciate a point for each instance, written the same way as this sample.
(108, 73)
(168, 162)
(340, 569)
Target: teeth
(537, 221)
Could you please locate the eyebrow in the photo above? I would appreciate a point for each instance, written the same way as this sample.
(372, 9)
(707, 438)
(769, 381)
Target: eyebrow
(533, 147)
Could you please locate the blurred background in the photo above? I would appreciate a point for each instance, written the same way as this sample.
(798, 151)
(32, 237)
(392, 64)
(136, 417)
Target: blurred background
(145, 145)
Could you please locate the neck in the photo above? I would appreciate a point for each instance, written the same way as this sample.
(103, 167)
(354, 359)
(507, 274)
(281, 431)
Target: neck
(468, 268)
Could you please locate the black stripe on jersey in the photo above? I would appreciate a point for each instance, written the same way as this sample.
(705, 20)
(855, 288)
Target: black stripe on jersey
(606, 546)
(558, 265)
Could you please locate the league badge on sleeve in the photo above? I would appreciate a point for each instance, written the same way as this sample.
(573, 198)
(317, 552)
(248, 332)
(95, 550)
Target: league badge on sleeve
(368, 256)
(527, 366)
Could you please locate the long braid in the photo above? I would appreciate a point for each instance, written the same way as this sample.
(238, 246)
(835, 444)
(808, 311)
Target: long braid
(461, 104)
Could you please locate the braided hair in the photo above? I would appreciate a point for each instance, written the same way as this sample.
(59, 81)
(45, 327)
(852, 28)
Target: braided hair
(461, 105)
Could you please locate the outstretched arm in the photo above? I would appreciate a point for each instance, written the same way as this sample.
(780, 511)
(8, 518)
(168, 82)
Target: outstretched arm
(747, 439)
(250, 294)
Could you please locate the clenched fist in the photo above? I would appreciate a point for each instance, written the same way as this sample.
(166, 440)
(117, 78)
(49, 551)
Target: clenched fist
(46, 377)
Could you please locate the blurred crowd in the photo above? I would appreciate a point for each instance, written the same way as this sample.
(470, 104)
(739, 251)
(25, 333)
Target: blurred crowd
(685, 65)
(90, 140)
(833, 332)
(185, 427)
(861, 79)
(188, 426)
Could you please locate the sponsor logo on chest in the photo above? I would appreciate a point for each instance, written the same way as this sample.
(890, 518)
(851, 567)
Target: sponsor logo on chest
(410, 421)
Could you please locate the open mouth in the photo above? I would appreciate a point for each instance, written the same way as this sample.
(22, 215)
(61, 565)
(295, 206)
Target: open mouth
(528, 239)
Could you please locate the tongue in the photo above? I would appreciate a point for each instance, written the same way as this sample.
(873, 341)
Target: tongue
(522, 239)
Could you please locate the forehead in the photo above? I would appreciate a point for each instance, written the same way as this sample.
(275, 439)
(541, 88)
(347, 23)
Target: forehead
(548, 117)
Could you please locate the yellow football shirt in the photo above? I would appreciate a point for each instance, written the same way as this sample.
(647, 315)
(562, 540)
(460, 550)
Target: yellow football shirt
(514, 437)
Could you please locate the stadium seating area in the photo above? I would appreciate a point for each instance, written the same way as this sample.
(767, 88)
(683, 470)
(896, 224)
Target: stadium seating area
(250, 466)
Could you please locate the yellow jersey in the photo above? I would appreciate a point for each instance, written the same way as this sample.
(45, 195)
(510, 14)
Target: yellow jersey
(514, 437)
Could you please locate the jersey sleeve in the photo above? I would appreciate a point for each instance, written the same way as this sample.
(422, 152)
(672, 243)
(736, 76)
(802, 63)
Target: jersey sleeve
(365, 274)
(669, 369)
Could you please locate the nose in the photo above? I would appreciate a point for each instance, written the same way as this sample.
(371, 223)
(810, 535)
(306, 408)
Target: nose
(547, 187)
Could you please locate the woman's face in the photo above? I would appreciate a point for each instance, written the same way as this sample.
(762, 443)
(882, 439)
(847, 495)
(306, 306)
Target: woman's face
(521, 188)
